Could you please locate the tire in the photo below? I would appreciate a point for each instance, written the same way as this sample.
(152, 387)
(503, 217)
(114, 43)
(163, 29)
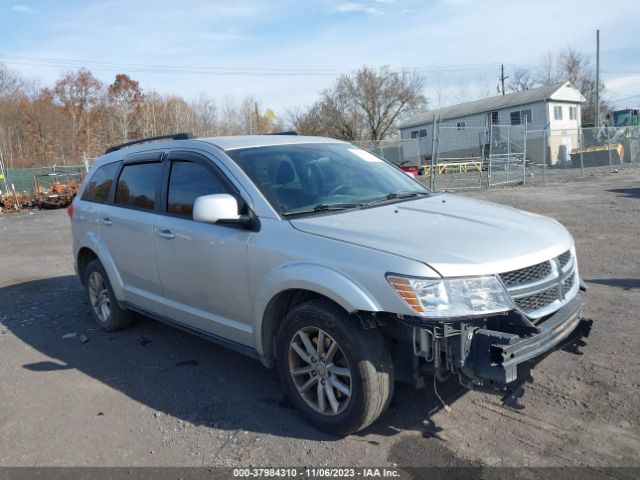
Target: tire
(104, 305)
(361, 396)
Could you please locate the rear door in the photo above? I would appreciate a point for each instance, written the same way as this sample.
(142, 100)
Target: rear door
(202, 267)
(127, 229)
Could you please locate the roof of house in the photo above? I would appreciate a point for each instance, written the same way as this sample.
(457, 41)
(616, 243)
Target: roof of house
(550, 92)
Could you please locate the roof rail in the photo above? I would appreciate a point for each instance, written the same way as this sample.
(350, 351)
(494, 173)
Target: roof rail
(172, 136)
(290, 132)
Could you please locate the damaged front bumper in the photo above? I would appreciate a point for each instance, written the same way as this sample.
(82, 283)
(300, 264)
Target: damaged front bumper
(497, 353)
(499, 357)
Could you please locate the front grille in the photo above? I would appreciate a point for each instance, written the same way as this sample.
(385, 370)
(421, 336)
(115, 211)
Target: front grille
(541, 288)
(526, 275)
(567, 285)
(564, 258)
(534, 302)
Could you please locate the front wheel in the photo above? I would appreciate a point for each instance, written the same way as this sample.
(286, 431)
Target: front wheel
(338, 375)
(104, 305)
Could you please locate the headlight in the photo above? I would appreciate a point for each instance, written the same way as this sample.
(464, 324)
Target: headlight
(457, 297)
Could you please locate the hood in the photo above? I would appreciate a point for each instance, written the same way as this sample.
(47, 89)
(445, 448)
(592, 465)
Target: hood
(456, 236)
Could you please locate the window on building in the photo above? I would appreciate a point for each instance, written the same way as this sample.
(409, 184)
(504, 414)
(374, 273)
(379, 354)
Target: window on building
(515, 118)
(494, 117)
(100, 184)
(138, 184)
(526, 115)
(189, 181)
(573, 113)
(414, 134)
(557, 112)
(461, 125)
(423, 132)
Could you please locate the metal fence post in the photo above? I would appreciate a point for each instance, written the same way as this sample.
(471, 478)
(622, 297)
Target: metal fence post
(524, 153)
(432, 170)
(506, 173)
(544, 156)
(609, 149)
(581, 137)
(490, 156)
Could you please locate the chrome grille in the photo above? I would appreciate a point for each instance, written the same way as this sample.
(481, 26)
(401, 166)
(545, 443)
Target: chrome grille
(543, 288)
(564, 258)
(534, 302)
(568, 284)
(526, 275)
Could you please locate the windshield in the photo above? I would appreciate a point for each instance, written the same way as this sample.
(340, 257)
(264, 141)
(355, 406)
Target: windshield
(623, 118)
(307, 178)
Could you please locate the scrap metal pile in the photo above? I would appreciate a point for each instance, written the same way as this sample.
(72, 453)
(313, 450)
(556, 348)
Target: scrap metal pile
(50, 190)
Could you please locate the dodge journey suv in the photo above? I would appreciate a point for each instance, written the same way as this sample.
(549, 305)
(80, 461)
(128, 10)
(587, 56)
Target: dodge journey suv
(325, 262)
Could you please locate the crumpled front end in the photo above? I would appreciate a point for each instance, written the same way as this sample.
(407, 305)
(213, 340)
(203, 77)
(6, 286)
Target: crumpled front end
(497, 352)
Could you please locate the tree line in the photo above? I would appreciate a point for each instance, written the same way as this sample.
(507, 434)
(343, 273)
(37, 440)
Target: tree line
(80, 116)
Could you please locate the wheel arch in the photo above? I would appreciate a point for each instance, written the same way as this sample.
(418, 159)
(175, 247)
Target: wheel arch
(92, 247)
(289, 286)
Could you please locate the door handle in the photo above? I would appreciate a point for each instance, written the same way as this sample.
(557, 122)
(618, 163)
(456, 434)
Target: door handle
(166, 234)
(107, 221)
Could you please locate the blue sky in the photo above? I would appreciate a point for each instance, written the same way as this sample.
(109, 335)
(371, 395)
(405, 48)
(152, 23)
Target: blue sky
(284, 51)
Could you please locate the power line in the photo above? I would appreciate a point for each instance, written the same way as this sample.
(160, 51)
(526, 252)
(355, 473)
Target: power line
(241, 71)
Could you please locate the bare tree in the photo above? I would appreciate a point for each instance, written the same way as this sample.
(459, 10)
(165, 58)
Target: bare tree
(485, 87)
(10, 83)
(520, 80)
(205, 110)
(365, 104)
(548, 72)
(439, 88)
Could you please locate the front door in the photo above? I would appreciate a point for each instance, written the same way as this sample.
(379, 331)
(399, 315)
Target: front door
(202, 267)
(127, 229)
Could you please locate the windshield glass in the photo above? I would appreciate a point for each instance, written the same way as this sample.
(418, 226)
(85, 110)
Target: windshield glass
(622, 118)
(306, 178)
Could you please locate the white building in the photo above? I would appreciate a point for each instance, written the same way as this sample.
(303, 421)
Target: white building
(555, 108)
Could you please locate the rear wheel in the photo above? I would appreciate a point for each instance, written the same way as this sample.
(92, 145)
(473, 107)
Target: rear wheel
(106, 311)
(337, 374)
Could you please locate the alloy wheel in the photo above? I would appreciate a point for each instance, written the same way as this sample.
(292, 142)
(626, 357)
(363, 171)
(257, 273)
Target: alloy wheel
(320, 371)
(99, 296)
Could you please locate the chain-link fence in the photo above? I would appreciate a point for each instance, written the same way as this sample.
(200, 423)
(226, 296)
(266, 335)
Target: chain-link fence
(22, 179)
(467, 158)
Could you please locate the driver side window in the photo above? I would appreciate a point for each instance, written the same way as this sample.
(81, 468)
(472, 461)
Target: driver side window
(188, 181)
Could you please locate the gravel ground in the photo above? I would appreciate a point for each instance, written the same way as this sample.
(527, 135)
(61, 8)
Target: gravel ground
(155, 396)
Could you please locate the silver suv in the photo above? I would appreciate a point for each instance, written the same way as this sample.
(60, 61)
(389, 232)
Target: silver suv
(325, 262)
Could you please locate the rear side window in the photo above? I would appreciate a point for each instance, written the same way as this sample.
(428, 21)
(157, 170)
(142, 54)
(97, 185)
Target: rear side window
(188, 181)
(138, 184)
(100, 184)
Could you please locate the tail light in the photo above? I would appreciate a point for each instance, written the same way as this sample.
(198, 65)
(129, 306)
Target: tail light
(70, 210)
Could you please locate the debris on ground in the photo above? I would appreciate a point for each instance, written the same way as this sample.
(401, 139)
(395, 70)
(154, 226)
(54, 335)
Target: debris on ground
(72, 335)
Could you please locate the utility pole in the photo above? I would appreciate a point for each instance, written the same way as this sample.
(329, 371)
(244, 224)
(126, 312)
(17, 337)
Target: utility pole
(502, 77)
(597, 122)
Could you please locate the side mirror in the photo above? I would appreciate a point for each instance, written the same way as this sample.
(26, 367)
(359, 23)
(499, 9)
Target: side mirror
(215, 208)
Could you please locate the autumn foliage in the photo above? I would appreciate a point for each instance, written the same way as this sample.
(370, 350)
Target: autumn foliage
(81, 116)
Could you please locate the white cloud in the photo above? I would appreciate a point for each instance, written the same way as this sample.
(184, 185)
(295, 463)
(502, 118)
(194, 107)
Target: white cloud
(351, 7)
(22, 9)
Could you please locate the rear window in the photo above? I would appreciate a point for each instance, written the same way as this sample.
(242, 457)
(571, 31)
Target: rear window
(100, 184)
(138, 184)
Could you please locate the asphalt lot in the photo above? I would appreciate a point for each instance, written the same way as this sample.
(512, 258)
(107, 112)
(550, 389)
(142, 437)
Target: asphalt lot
(155, 396)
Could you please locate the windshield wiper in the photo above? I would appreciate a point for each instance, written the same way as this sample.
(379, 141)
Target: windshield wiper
(324, 207)
(397, 195)
(404, 194)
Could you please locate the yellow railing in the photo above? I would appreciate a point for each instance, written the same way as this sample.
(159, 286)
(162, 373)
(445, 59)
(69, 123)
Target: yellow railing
(453, 167)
